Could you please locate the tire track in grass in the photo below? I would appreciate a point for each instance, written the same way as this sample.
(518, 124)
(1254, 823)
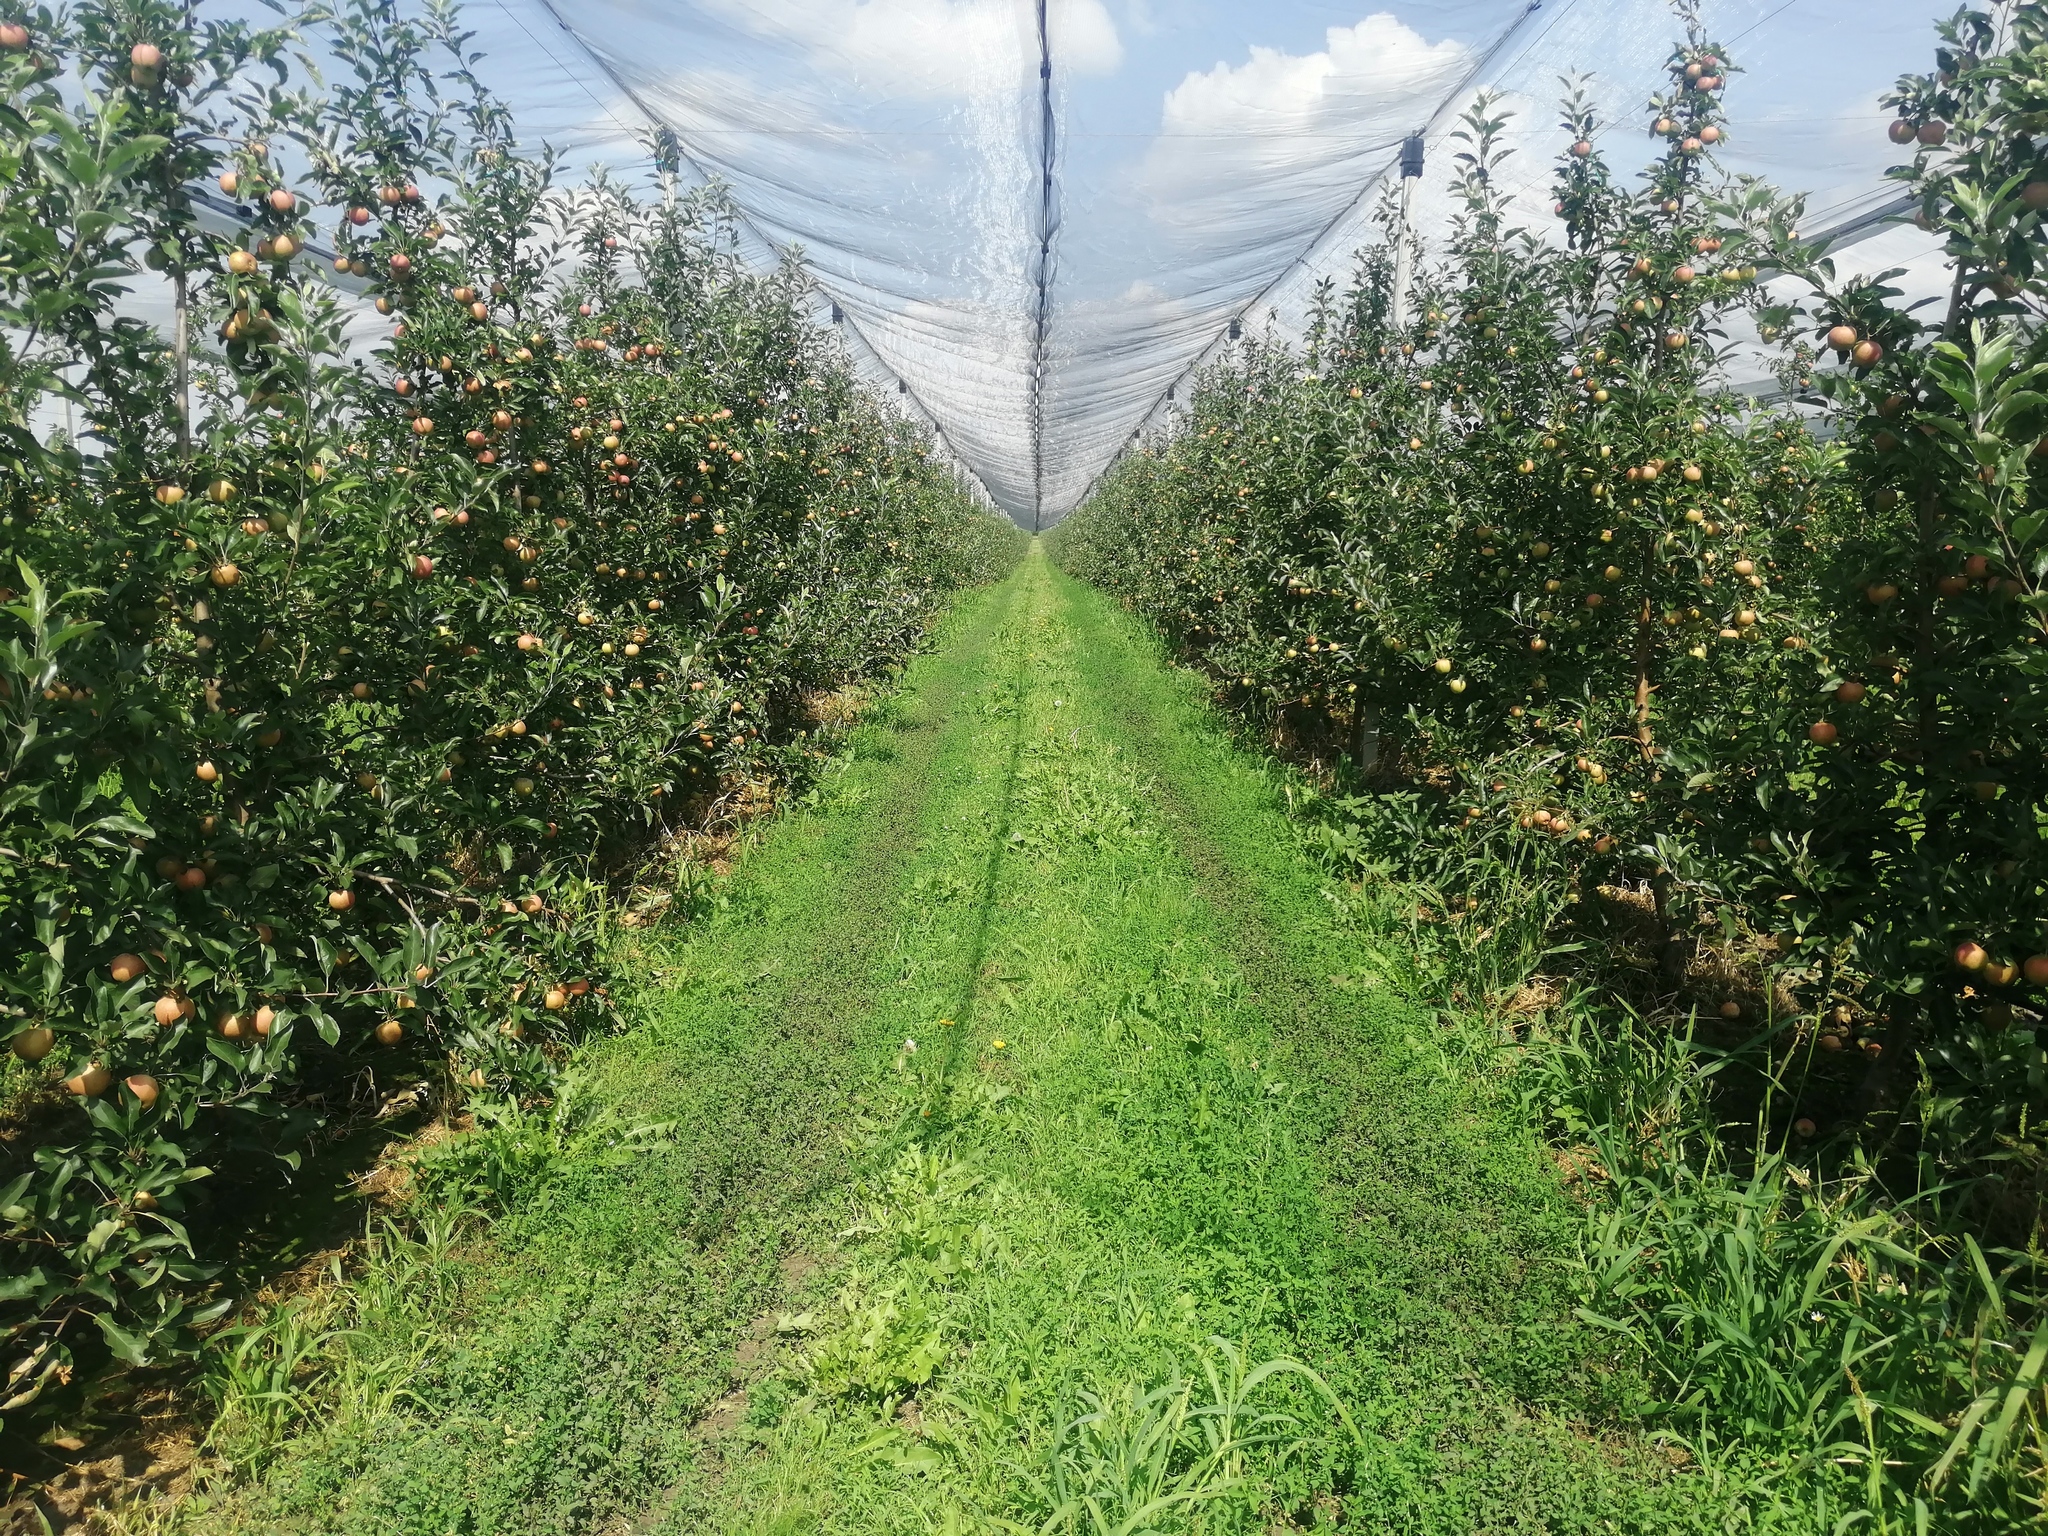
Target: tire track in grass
(1178, 1137)
(1446, 1301)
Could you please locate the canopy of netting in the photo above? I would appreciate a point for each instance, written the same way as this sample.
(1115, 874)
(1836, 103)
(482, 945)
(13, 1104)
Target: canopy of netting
(1035, 218)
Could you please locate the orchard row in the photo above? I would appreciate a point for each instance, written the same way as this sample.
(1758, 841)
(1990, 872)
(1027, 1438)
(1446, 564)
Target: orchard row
(340, 686)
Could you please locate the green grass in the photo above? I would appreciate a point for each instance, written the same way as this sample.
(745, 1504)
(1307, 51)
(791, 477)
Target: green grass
(1179, 1216)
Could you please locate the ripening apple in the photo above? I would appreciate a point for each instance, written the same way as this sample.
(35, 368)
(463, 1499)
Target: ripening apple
(32, 1045)
(2001, 973)
(1821, 733)
(1803, 1127)
(341, 901)
(2035, 969)
(126, 968)
(145, 56)
(390, 1032)
(1901, 131)
(13, 36)
(91, 1083)
(1851, 692)
(192, 879)
(1971, 955)
(1842, 337)
(144, 1087)
(266, 1020)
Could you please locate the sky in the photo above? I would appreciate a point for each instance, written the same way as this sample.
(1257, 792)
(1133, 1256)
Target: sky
(1212, 160)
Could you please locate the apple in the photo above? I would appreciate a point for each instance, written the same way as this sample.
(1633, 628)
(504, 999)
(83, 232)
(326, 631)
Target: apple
(13, 36)
(192, 879)
(555, 1000)
(1804, 1128)
(266, 1019)
(91, 1083)
(2035, 969)
(2001, 973)
(1933, 134)
(422, 566)
(1842, 337)
(206, 773)
(144, 1087)
(1821, 733)
(33, 1045)
(1971, 955)
(126, 968)
(226, 574)
(1851, 692)
(145, 56)
(283, 201)
(390, 1032)
(341, 901)
(1901, 132)
(1582, 148)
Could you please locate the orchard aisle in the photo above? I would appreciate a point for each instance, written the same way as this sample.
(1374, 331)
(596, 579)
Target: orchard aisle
(1012, 1081)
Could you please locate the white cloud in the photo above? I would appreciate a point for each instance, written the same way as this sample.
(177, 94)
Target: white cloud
(1288, 117)
(932, 48)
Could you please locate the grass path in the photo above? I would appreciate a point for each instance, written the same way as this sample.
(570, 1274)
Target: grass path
(1027, 1143)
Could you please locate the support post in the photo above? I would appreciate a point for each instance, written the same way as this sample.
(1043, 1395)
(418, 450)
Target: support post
(1404, 240)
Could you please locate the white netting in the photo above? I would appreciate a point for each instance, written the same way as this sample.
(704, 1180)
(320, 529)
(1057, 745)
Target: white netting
(1209, 161)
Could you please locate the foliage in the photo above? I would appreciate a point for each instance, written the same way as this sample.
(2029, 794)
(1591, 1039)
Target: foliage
(340, 678)
(1721, 706)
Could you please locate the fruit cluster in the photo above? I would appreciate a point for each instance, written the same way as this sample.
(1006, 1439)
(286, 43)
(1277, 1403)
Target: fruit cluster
(340, 683)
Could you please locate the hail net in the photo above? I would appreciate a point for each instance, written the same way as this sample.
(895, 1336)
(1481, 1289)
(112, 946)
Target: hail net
(1034, 221)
